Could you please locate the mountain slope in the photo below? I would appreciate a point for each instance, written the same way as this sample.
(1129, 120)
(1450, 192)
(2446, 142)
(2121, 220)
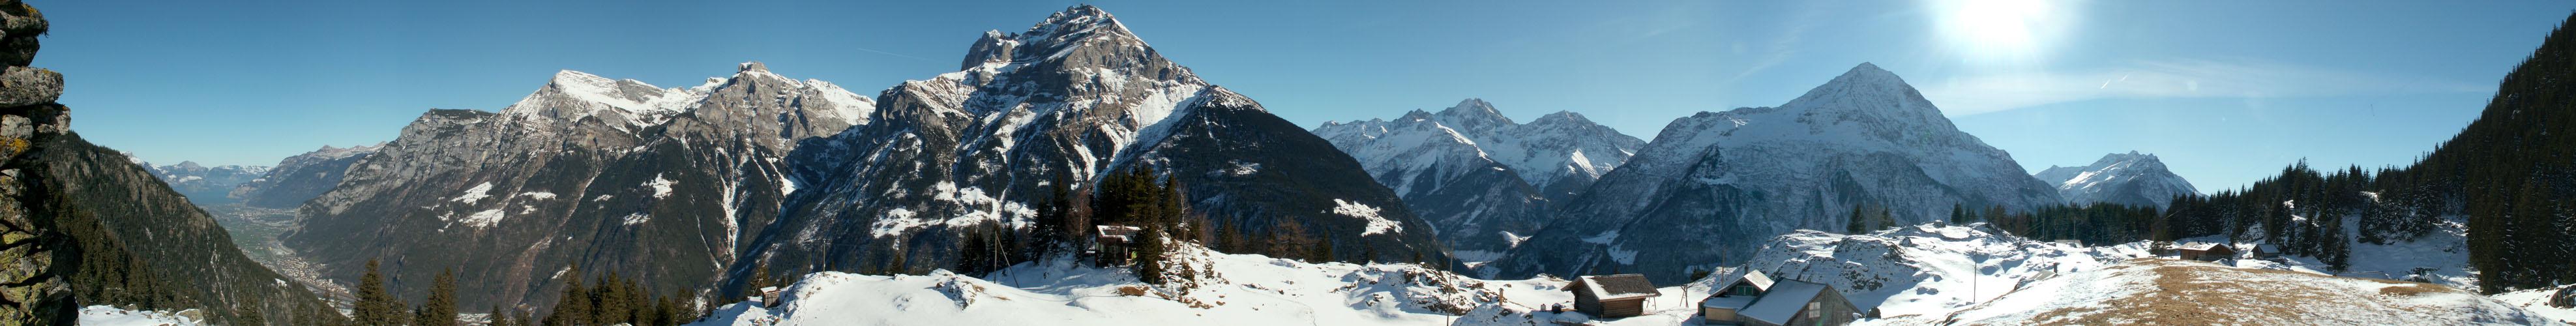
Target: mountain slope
(203, 184)
(2133, 179)
(1072, 99)
(301, 177)
(656, 184)
(1483, 181)
(1711, 186)
(85, 225)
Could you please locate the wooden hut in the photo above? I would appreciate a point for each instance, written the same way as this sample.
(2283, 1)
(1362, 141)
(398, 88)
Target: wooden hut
(1114, 245)
(2205, 251)
(769, 297)
(2267, 251)
(1612, 296)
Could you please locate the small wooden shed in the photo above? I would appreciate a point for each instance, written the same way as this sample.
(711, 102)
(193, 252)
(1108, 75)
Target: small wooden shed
(1612, 296)
(1114, 245)
(2205, 251)
(769, 297)
(2267, 251)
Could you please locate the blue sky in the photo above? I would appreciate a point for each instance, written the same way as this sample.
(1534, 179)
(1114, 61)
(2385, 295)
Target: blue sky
(2225, 91)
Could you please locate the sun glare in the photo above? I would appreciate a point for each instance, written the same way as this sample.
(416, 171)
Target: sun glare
(1998, 30)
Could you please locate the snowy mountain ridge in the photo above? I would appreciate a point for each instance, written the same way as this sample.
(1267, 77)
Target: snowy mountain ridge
(618, 170)
(1483, 181)
(301, 177)
(2130, 179)
(1712, 186)
(204, 184)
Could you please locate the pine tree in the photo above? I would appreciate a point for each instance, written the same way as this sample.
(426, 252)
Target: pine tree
(1958, 214)
(1853, 225)
(610, 298)
(375, 305)
(249, 316)
(1149, 254)
(759, 279)
(501, 318)
(439, 309)
(572, 306)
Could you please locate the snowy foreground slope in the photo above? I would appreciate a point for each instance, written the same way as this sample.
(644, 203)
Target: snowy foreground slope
(1922, 274)
(1927, 269)
(1225, 289)
(2196, 293)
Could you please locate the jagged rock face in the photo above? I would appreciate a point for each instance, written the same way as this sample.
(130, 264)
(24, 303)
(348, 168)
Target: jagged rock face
(85, 225)
(300, 178)
(2131, 179)
(203, 184)
(612, 175)
(1073, 98)
(1713, 185)
(1483, 181)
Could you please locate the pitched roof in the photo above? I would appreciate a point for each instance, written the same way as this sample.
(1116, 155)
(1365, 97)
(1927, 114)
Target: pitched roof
(1725, 302)
(1785, 300)
(1620, 286)
(1759, 280)
(1123, 233)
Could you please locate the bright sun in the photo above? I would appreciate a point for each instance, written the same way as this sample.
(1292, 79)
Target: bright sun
(1998, 30)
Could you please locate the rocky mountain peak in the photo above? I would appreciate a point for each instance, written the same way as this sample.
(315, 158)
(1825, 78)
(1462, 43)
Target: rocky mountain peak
(1475, 114)
(1562, 117)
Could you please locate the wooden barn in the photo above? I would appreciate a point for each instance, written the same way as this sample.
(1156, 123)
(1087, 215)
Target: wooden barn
(1756, 299)
(1113, 245)
(2267, 251)
(2205, 251)
(1612, 296)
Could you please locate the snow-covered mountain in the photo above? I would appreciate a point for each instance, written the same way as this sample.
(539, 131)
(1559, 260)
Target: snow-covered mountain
(1072, 99)
(204, 185)
(661, 185)
(301, 177)
(2131, 179)
(1483, 181)
(1711, 187)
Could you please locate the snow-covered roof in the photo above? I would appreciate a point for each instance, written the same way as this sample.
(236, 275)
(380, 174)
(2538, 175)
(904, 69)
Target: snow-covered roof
(1759, 280)
(1785, 300)
(1123, 233)
(1725, 302)
(1622, 286)
(2199, 246)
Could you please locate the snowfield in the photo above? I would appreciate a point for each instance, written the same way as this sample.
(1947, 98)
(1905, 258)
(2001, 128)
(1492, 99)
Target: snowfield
(2537, 301)
(1223, 289)
(113, 316)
